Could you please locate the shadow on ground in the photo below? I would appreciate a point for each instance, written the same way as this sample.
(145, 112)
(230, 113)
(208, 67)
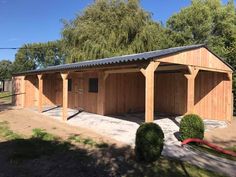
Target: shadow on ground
(5, 106)
(36, 157)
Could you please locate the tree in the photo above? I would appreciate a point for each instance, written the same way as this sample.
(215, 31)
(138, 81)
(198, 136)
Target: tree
(39, 55)
(5, 69)
(112, 27)
(205, 21)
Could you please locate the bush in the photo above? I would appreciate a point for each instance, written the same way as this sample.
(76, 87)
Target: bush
(191, 126)
(149, 142)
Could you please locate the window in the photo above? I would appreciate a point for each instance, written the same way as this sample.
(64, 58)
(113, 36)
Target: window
(93, 85)
(69, 85)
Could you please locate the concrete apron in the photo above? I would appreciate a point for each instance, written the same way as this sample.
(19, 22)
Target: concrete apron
(124, 131)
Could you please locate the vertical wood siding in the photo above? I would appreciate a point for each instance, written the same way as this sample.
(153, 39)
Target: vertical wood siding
(31, 93)
(170, 93)
(212, 95)
(125, 93)
(197, 57)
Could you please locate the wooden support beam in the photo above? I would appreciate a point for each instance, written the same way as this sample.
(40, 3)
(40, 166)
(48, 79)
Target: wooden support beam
(64, 96)
(101, 100)
(171, 67)
(149, 73)
(191, 89)
(40, 97)
(230, 101)
(125, 70)
(23, 81)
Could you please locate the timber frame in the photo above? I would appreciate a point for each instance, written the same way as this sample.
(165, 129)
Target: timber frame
(192, 66)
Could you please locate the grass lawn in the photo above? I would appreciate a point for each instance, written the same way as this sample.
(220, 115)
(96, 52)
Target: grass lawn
(6, 97)
(44, 154)
(213, 152)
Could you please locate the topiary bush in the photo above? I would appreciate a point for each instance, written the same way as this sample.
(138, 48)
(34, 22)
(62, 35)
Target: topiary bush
(149, 142)
(191, 126)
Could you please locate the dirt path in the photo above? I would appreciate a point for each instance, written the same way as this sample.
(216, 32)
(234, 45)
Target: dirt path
(22, 121)
(225, 137)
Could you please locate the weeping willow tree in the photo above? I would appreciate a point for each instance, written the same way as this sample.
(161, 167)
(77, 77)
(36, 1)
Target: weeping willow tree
(109, 28)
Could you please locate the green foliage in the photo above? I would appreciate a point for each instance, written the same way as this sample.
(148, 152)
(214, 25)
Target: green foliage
(39, 55)
(108, 28)
(191, 126)
(233, 148)
(205, 21)
(6, 97)
(6, 133)
(149, 142)
(42, 134)
(5, 69)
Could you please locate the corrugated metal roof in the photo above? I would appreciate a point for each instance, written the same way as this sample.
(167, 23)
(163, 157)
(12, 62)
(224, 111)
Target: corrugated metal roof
(116, 60)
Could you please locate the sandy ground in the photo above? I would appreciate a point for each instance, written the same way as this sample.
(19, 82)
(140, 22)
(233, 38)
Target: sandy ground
(225, 137)
(23, 121)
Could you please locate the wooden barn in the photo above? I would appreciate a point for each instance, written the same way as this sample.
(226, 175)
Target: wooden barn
(181, 80)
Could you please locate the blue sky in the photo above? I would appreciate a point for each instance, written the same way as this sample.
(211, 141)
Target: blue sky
(26, 21)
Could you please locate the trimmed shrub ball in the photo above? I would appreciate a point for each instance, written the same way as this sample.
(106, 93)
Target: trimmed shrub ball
(191, 126)
(149, 142)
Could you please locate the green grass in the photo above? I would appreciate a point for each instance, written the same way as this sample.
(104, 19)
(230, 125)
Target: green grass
(87, 141)
(44, 145)
(206, 149)
(170, 168)
(6, 133)
(42, 134)
(6, 96)
(233, 148)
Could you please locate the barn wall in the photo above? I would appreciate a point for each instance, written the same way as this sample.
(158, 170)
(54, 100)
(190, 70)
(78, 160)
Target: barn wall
(50, 86)
(198, 57)
(170, 93)
(213, 95)
(79, 96)
(125, 93)
(31, 91)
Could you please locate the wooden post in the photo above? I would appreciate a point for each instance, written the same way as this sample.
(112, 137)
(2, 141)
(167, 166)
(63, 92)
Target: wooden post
(191, 89)
(101, 93)
(40, 102)
(149, 74)
(23, 81)
(65, 96)
(230, 101)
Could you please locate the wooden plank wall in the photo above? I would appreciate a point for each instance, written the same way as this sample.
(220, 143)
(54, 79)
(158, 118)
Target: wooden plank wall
(170, 93)
(212, 95)
(31, 91)
(50, 86)
(198, 57)
(79, 96)
(125, 93)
